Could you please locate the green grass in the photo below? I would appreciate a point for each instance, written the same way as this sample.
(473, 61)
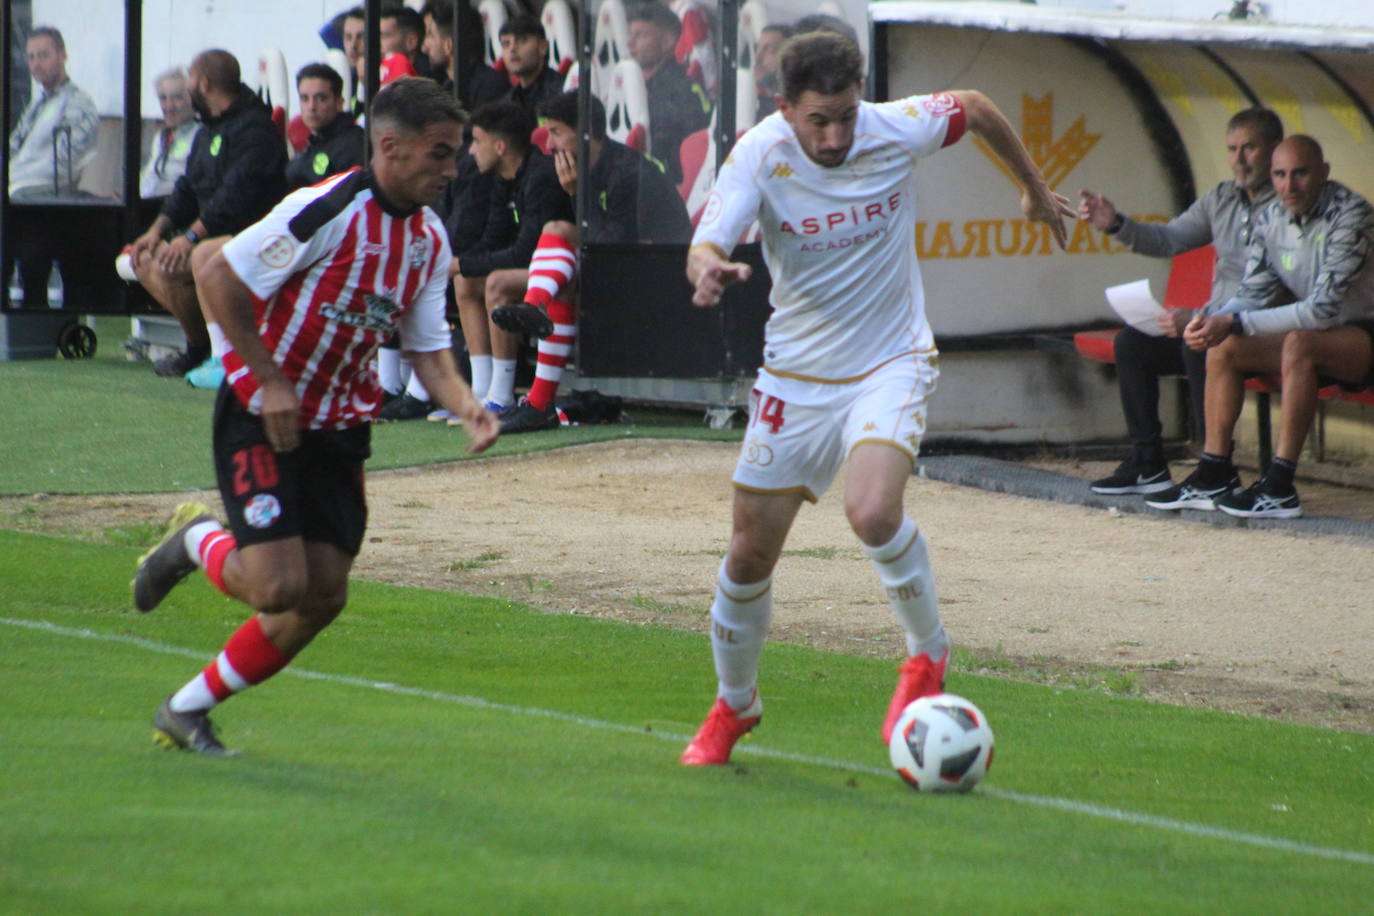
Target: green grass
(107, 425)
(354, 797)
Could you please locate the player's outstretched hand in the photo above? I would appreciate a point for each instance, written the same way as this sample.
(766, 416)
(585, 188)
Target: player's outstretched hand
(483, 428)
(714, 279)
(1043, 205)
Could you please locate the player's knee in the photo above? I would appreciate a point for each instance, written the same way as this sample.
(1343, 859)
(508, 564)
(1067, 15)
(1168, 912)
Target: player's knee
(874, 522)
(560, 227)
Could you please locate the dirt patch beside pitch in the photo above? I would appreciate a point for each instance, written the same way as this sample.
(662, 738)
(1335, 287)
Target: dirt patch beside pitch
(1256, 622)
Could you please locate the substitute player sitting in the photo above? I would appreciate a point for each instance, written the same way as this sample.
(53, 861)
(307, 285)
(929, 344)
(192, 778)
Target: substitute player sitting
(849, 360)
(305, 296)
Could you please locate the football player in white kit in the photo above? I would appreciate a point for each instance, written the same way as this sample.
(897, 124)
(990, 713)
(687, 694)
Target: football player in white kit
(849, 360)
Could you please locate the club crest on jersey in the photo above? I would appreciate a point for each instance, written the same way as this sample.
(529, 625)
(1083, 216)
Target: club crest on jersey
(262, 511)
(419, 253)
(276, 251)
(941, 103)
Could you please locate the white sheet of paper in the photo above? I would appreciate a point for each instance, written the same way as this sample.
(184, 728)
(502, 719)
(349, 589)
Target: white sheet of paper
(1136, 306)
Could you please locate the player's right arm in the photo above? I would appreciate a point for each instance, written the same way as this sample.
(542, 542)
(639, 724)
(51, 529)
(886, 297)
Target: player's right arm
(1038, 202)
(228, 301)
(732, 205)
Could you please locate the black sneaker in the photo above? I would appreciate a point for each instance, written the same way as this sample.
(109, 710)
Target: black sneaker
(1259, 501)
(187, 731)
(523, 318)
(1130, 477)
(177, 364)
(1193, 494)
(160, 569)
(405, 407)
(524, 417)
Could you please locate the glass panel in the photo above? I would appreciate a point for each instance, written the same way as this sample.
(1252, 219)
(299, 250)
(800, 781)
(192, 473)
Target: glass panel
(65, 155)
(656, 83)
(66, 136)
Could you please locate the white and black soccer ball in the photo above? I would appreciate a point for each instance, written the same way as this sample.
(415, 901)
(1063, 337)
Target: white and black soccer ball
(941, 744)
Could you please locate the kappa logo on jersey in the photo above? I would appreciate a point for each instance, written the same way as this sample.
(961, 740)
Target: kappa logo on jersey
(940, 104)
(781, 170)
(419, 252)
(262, 511)
(379, 316)
(276, 251)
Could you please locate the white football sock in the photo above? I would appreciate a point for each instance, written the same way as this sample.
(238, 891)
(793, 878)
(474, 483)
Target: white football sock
(502, 387)
(481, 373)
(903, 566)
(196, 534)
(416, 388)
(740, 616)
(219, 344)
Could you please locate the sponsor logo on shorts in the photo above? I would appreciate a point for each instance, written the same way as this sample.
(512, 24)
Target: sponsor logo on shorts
(262, 511)
(757, 453)
(276, 251)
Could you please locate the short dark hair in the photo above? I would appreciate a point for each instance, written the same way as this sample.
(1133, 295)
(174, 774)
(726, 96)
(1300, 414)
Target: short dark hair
(507, 120)
(563, 107)
(824, 22)
(413, 103)
(523, 26)
(656, 13)
(356, 12)
(824, 62)
(407, 20)
(441, 11)
(220, 67)
(51, 33)
(1266, 122)
(318, 71)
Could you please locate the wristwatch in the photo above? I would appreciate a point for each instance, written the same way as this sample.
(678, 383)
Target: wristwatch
(1117, 222)
(192, 236)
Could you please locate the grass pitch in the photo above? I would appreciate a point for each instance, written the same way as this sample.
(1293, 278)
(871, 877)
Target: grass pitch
(436, 753)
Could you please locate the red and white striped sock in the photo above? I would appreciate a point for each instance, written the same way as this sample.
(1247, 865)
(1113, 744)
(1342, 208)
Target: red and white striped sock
(210, 545)
(554, 351)
(551, 268)
(248, 658)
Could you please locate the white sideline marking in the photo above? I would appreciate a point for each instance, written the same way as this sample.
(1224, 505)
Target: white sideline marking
(1043, 801)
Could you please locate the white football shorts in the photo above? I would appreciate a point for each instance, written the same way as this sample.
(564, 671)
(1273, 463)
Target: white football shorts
(793, 448)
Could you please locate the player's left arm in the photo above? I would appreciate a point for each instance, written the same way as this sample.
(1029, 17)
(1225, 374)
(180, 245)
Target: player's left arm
(1038, 202)
(439, 373)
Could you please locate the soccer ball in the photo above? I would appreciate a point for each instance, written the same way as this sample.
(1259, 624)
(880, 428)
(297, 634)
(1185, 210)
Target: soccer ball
(941, 744)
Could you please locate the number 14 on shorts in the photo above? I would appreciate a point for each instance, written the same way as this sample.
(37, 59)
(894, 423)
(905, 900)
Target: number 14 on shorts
(767, 409)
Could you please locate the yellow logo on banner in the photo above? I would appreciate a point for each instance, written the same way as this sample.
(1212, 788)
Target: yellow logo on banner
(1055, 156)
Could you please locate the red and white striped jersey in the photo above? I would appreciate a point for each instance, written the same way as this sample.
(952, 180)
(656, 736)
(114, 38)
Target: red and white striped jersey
(334, 270)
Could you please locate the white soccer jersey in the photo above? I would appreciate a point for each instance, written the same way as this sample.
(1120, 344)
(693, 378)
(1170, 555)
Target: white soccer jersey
(839, 242)
(334, 272)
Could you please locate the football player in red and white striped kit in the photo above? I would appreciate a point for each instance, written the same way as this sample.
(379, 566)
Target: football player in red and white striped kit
(304, 297)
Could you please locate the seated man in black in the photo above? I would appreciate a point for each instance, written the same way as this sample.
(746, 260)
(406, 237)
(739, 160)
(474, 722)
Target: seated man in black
(336, 142)
(632, 201)
(479, 84)
(235, 174)
(525, 52)
(525, 195)
(677, 105)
